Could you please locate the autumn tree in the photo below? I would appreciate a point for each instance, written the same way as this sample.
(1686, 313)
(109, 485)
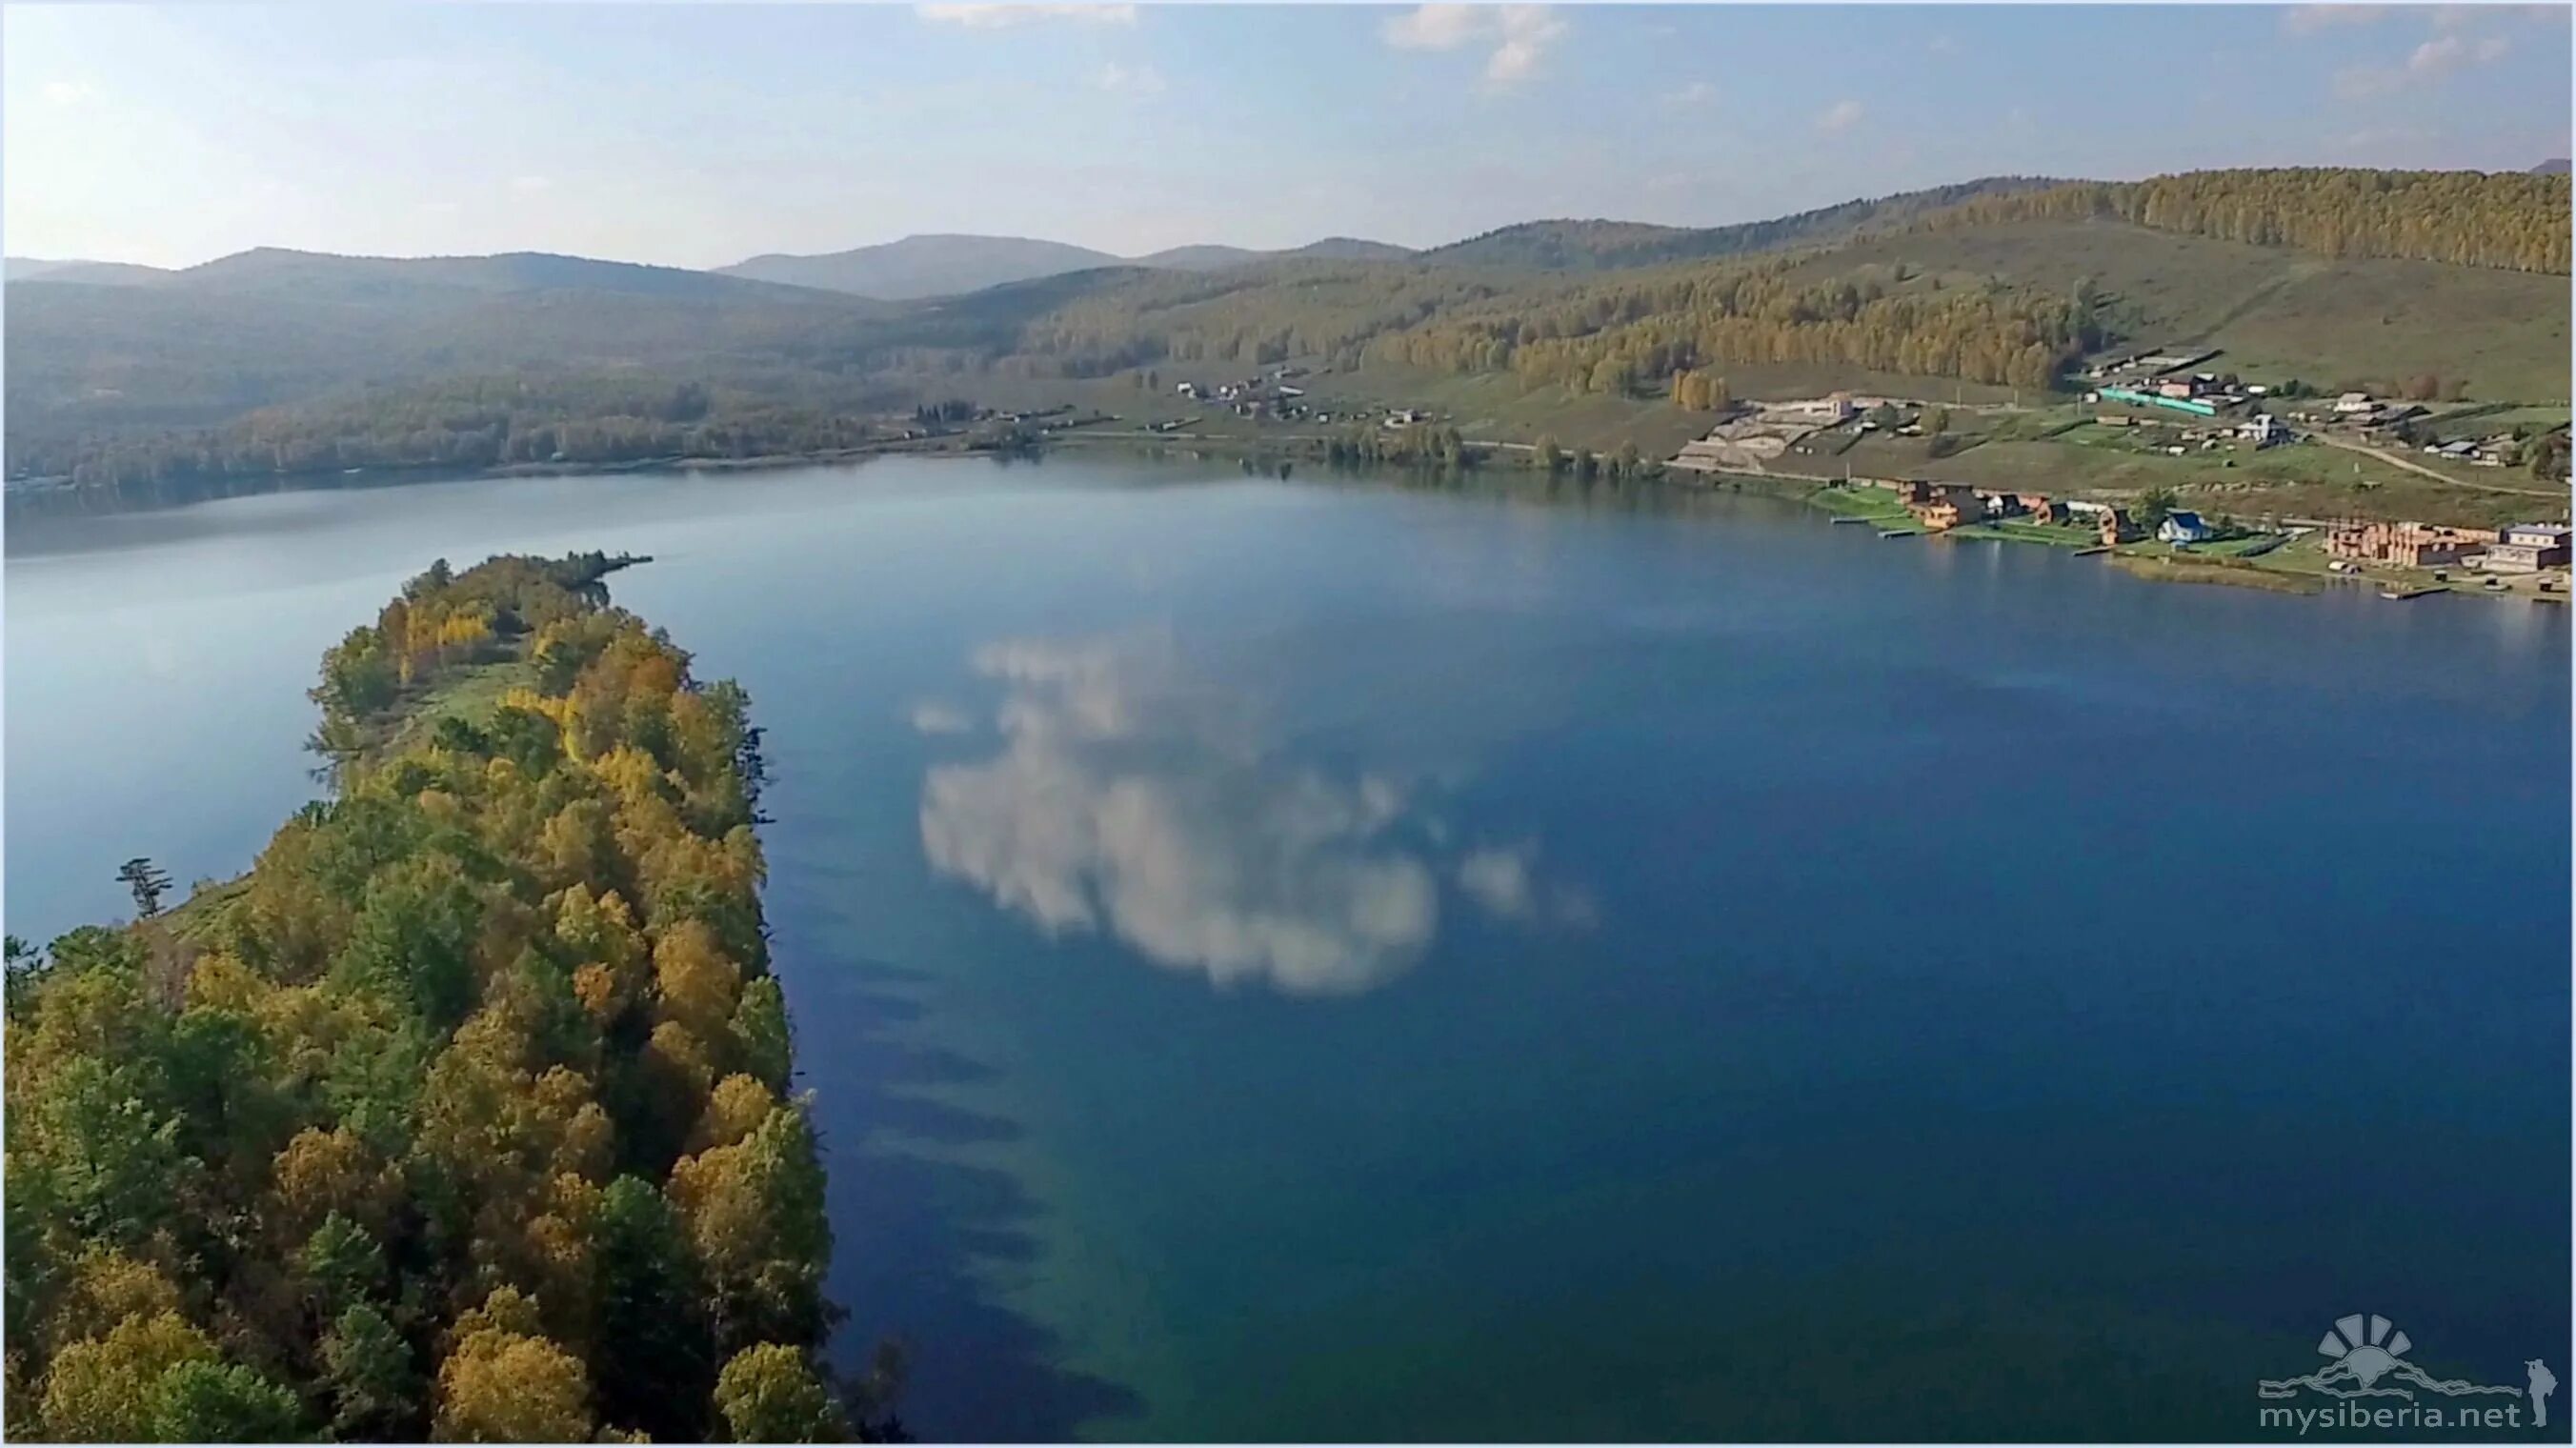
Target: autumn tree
(768, 1394)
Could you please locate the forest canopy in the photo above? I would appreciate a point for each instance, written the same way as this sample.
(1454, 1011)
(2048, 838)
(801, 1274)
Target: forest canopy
(467, 1113)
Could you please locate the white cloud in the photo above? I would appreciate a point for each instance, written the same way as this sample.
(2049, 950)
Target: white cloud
(1520, 34)
(933, 717)
(1943, 45)
(1528, 30)
(1839, 117)
(67, 92)
(1130, 801)
(2425, 64)
(1697, 93)
(1003, 17)
(1141, 80)
(530, 185)
(1435, 27)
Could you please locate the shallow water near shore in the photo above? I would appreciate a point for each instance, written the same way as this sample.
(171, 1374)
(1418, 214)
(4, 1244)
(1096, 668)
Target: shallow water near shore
(1330, 960)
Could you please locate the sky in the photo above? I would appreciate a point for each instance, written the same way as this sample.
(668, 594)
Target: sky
(698, 135)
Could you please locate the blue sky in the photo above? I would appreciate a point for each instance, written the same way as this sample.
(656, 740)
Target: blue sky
(698, 135)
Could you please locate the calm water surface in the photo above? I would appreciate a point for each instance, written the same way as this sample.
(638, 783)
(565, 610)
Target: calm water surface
(1331, 961)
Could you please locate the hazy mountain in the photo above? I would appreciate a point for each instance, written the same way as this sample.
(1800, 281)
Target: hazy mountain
(1606, 245)
(322, 276)
(94, 273)
(2555, 166)
(939, 266)
(924, 266)
(1348, 248)
(1216, 258)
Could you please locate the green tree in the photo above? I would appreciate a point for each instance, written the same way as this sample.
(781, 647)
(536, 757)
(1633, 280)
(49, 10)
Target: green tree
(2153, 507)
(343, 1265)
(656, 1352)
(768, 1394)
(147, 882)
(367, 1369)
(210, 1402)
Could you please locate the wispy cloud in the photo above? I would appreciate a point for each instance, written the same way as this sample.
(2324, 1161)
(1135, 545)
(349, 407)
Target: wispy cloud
(2428, 62)
(1697, 93)
(931, 716)
(1520, 34)
(1003, 17)
(1141, 80)
(1839, 117)
(67, 92)
(2311, 19)
(530, 185)
(1943, 45)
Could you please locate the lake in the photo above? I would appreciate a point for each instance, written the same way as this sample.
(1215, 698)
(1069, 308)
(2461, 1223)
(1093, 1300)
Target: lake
(1330, 960)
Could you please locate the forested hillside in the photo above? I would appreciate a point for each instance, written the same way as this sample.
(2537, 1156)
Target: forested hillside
(281, 363)
(1616, 334)
(467, 1113)
(2516, 221)
(1611, 245)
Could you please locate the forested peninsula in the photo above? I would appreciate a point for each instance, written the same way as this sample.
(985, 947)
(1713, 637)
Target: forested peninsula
(467, 1113)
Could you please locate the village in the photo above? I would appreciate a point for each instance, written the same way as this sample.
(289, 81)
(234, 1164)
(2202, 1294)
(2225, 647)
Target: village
(2169, 402)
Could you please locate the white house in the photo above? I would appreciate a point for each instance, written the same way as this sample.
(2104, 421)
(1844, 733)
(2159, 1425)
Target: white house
(2354, 402)
(2263, 430)
(2181, 527)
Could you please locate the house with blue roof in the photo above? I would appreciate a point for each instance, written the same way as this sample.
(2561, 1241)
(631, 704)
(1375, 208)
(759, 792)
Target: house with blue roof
(2181, 527)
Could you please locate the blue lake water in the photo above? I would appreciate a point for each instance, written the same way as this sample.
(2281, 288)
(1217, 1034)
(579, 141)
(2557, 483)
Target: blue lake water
(1331, 960)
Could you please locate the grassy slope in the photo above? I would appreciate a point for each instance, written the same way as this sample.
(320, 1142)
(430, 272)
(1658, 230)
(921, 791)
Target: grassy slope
(2279, 313)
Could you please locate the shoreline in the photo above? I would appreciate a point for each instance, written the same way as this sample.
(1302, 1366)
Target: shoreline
(2139, 560)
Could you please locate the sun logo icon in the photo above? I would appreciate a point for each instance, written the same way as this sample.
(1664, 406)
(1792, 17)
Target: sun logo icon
(2366, 1358)
(2365, 1349)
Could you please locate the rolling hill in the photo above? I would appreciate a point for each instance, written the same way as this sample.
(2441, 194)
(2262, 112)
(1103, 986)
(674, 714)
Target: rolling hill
(1609, 245)
(923, 266)
(94, 273)
(939, 266)
(281, 355)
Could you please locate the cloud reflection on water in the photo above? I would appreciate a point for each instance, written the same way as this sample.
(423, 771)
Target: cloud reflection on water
(1131, 798)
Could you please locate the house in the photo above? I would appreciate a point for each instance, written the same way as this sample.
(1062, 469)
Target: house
(2181, 526)
(1940, 514)
(1189, 390)
(2263, 430)
(2175, 389)
(2355, 402)
(2115, 527)
(2528, 548)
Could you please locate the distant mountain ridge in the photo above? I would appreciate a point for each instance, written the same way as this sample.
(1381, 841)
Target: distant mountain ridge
(2555, 166)
(95, 273)
(950, 265)
(1599, 245)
